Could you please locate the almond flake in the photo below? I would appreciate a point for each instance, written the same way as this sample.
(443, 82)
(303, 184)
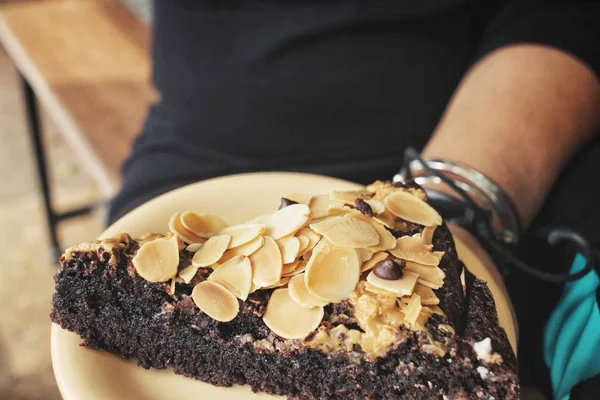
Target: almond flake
(364, 254)
(427, 234)
(400, 287)
(181, 232)
(211, 251)
(266, 263)
(411, 208)
(375, 186)
(194, 247)
(282, 307)
(368, 265)
(287, 220)
(301, 198)
(423, 317)
(234, 275)
(282, 282)
(387, 241)
(289, 247)
(347, 231)
(410, 248)
(312, 236)
(377, 206)
(300, 294)
(332, 271)
(288, 269)
(413, 309)
(301, 267)
(319, 206)
(202, 225)
(428, 297)
(346, 197)
(304, 242)
(432, 277)
(188, 273)
(215, 301)
(244, 250)
(242, 234)
(386, 219)
(157, 260)
(375, 290)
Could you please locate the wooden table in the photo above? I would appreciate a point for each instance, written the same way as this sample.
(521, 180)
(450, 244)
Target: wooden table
(86, 62)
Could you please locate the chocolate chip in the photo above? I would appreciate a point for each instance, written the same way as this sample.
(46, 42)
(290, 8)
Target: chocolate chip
(286, 202)
(389, 269)
(363, 207)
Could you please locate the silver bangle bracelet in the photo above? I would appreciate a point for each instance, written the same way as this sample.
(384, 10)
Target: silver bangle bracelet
(485, 192)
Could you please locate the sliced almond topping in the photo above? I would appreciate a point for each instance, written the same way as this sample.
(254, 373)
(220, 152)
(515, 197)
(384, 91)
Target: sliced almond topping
(411, 248)
(411, 208)
(301, 295)
(377, 206)
(332, 271)
(282, 282)
(211, 251)
(301, 198)
(266, 263)
(347, 231)
(202, 225)
(374, 289)
(234, 275)
(181, 232)
(194, 247)
(242, 234)
(365, 255)
(427, 234)
(312, 236)
(432, 277)
(288, 269)
(346, 197)
(386, 219)
(400, 287)
(215, 301)
(301, 267)
(289, 247)
(368, 265)
(428, 297)
(188, 273)
(288, 319)
(387, 241)
(413, 309)
(157, 260)
(423, 317)
(287, 220)
(304, 242)
(436, 310)
(375, 186)
(243, 250)
(320, 206)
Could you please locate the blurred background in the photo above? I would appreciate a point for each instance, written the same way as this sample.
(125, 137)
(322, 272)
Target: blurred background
(26, 257)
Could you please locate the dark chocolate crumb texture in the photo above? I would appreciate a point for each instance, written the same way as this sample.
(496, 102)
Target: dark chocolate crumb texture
(351, 295)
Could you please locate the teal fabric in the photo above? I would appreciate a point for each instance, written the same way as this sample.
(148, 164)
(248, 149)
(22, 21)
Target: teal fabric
(572, 335)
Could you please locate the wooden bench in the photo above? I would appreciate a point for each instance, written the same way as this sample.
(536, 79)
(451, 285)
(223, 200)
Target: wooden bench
(86, 62)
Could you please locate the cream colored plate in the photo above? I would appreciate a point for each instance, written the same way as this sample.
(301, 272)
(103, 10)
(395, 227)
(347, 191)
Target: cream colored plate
(87, 374)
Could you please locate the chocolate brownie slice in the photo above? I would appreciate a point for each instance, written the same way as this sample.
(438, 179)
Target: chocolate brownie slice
(402, 330)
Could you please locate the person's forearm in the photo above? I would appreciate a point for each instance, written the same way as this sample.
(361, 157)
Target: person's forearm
(518, 116)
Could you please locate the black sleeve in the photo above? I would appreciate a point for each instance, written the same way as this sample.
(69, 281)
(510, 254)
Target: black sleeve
(569, 25)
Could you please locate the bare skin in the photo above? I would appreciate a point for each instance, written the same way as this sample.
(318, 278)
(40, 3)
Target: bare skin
(519, 116)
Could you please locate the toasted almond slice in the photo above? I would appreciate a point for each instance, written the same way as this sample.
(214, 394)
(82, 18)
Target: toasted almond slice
(347, 231)
(215, 301)
(202, 225)
(188, 273)
(432, 277)
(304, 243)
(365, 255)
(427, 235)
(282, 282)
(289, 247)
(157, 260)
(374, 289)
(377, 206)
(366, 266)
(386, 219)
(181, 232)
(375, 186)
(244, 250)
(410, 248)
(423, 316)
(411, 208)
(301, 267)
(194, 247)
(301, 198)
(266, 263)
(312, 236)
(413, 309)
(288, 319)
(234, 275)
(288, 269)
(300, 294)
(347, 197)
(400, 287)
(242, 234)
(287, 221)
(332, 271)
(387, 241)
(428, 297)
(211, 251)
(319, 206)
(436, 310)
